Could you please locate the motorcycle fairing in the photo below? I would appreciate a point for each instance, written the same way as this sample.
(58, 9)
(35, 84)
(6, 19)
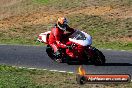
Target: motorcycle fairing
(43, 37)
(81, 38)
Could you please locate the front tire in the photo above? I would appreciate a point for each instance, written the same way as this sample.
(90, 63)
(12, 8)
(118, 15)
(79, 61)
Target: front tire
(99, 58)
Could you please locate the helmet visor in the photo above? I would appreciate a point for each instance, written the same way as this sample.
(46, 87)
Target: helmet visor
(62, 26)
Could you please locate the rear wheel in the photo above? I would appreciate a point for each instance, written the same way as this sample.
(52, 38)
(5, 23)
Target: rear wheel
(99, 58)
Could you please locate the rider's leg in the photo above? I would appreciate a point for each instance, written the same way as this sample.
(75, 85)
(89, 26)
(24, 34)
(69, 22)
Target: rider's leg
(57, 52)
(55, 48)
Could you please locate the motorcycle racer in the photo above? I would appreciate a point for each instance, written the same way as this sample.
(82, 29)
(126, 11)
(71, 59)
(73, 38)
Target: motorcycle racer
(70, 47)
(57, 35)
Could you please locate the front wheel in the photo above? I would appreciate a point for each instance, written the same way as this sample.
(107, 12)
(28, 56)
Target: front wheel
(99, 58)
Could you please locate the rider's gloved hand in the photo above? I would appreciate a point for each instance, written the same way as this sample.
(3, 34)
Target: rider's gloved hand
(69, 47)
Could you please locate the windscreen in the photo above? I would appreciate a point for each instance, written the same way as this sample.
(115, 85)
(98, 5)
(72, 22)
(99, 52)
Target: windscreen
(78, 35)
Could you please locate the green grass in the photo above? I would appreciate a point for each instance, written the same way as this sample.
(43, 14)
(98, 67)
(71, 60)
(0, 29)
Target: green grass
(13, 77)
(41, 1)
(68, 4)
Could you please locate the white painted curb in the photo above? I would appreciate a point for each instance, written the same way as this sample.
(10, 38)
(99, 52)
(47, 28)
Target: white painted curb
(44, 70)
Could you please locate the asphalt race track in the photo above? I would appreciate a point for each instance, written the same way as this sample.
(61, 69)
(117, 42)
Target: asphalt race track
(118, 62)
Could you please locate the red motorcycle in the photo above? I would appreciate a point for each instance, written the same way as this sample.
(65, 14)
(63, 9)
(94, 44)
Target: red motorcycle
(81, 49)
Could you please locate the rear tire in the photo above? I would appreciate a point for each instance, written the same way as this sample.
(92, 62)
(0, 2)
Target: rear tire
(99, 58)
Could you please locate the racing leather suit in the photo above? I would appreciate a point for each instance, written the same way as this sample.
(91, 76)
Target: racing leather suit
(56, 36)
